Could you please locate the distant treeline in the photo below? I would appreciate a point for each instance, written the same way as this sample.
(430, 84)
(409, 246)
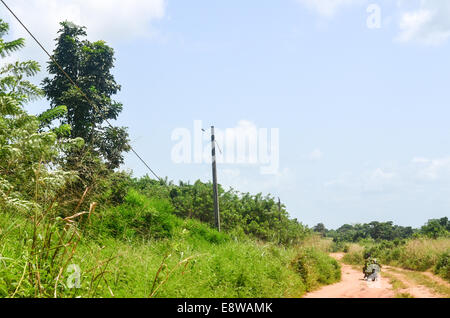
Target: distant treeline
(387, 231)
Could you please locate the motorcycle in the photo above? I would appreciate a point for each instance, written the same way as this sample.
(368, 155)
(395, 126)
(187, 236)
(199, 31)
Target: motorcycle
(371, 272)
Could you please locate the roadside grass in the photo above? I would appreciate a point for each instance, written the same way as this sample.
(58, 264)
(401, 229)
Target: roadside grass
(318, 242)
(397, 285)
(181, 268)
(141, 249)
(394, 281)
(404, 295)
(420, 254)
(317, 268)
(354, 255)
(423, 280)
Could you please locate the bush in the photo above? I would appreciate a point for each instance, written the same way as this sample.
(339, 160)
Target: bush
(354, 255)
(317, 268)
(319, 243)
(198, 231)
(339, 246)
(421, 254)
(442, 267)
(138, 216)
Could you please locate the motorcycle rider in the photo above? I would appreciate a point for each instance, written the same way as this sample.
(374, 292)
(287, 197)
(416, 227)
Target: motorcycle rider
(371, 268)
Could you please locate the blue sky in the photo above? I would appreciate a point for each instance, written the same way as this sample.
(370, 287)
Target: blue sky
(362, 112)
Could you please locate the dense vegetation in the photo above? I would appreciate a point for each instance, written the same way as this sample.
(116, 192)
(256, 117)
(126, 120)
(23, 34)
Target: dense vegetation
(386, 231)
(427, 248)
(140, 249)
(72, 226)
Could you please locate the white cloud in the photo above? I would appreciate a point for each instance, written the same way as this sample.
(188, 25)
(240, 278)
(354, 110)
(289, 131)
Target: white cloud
(108, 20)
(315, 155)
(432, 169)
(428, 25)
(424, 22)
(413, 177)
(379, 180)
(328, 8)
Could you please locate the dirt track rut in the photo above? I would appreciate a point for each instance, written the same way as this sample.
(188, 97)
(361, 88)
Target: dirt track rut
(352, 285)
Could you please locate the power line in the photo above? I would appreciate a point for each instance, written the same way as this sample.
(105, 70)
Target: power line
(76, 86)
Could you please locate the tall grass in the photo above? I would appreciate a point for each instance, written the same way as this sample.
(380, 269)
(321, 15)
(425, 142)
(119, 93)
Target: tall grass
(141, 249)
(37, 252)
(318, 242)
(420, 254)
(317, 268)
(354, 255)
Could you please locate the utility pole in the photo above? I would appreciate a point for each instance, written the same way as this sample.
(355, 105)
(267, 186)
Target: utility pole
(215, 187)
(279, 209)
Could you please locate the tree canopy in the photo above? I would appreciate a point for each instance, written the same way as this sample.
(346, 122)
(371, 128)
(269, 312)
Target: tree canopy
(89, 64)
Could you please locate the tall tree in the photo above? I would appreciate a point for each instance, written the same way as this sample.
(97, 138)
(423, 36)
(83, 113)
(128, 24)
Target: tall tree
(89, 65)
(320, 228)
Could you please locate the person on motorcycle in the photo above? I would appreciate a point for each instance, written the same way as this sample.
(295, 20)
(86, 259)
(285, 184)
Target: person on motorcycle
(371, 269)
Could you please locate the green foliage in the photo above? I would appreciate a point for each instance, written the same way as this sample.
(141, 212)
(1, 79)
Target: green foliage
(321, 229)
(442, 267)
(375, 230)
(27, 156)
(436, 228)
(6, 48)
(387, 231)
(355, 258)
(114, 188)
(89, 65)
(339, 246)
(36, 245)
(255, 215)
(138, 217)
(13, 80)
(316, 267)
(200, 232)
(194, 260)
(196, 269)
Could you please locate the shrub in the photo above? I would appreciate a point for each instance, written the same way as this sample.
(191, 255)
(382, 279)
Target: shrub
(316, 268)
(198, 231)
(422, 254)
(138, 216)
(354, 255)
(339, 246)
(442, 267)
(318, 242)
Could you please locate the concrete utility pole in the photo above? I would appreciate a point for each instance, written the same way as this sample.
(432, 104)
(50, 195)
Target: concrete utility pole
(215, 187)
(279, 209)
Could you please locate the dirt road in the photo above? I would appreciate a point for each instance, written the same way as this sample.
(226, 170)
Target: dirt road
(394, 282)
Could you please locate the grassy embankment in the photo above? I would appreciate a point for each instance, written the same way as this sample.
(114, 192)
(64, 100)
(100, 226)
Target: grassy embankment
(141, 249)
